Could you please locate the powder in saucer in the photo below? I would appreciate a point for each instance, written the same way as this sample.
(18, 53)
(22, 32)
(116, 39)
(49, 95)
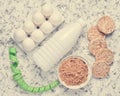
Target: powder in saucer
(73, 71)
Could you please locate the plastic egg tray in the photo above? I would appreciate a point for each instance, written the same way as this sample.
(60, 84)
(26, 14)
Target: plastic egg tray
(35, 30)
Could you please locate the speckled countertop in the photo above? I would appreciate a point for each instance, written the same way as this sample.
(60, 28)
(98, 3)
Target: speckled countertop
(12, 16)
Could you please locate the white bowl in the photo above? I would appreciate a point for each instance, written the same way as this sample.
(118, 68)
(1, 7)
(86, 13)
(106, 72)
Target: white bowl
(77, 86)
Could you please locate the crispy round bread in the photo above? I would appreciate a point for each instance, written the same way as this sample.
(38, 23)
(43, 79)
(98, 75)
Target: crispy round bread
(100, 69)
(106, 55)
(106, 25)
(96, 45)
(93, 33)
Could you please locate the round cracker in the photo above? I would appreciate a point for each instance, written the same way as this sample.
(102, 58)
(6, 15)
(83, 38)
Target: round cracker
(106, 55)
(100, 69)
(96, 45)
(106, 25)
(93, 33)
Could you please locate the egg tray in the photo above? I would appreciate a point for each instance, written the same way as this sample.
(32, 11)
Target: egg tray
(38, 28)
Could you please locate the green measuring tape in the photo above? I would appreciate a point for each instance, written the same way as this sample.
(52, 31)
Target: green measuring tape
(17, 76)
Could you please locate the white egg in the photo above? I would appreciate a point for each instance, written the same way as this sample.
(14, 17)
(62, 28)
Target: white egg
(19, 35)
(28, 27)
(28, 44)
(37, 36)
(46, 27)
(47, 10)
(56, 18)
(38, 18)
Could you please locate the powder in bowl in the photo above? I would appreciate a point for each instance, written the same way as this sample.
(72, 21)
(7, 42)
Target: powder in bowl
(74, 72)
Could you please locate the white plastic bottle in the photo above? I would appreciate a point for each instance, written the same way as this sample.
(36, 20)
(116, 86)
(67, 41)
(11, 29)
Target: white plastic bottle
(58, 45)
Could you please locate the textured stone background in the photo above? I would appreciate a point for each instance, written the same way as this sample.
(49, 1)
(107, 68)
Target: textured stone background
(12, 15)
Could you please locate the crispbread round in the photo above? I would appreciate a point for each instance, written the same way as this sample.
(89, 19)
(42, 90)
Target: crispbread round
(93, 33)
(106, 55)
(100, 69)
(96, 45)
(106, 25)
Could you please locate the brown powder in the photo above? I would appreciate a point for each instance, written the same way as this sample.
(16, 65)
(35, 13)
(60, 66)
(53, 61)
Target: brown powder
(73, 71)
